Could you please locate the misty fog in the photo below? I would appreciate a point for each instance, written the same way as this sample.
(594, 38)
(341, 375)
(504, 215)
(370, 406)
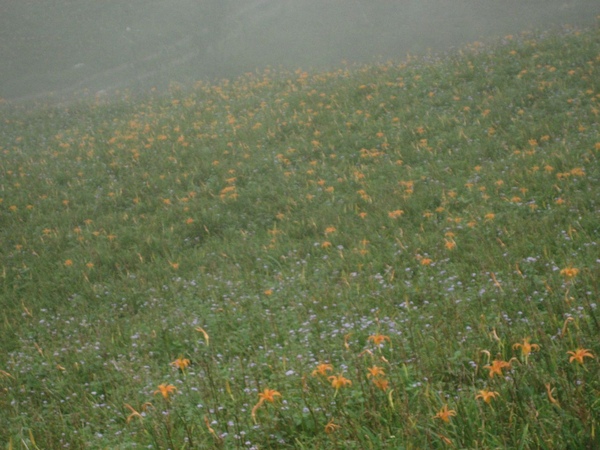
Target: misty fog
(86, 47)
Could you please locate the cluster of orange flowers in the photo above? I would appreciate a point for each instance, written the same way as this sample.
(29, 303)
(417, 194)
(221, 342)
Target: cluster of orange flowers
(377, 375)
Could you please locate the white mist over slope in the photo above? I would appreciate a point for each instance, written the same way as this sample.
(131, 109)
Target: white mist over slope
(70, 46)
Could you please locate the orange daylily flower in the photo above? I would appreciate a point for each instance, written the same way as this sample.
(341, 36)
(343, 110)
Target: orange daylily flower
(331, 427)
(487, 396)
(445, 414)
(330, 230)
(579, 354)
(165, 390)
(381, 383)
(526, 347)
(496, 367)
(268, 395)
(338, 381)
(569, 272)
(322, 369)
(375, 371)
(378, 339)
(181, 363)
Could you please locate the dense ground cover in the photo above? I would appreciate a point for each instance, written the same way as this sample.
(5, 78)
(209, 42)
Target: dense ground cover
(392, 256)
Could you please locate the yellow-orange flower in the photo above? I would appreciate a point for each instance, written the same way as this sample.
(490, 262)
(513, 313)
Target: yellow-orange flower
(331, 427)
(569, 272)
(375, 371)
(449, 244)
(579, 354)
(381, 383)
(526, 347)
(378, 339)
(181, 363)
(487, 396)
(330, 230)
(322, 369)
(165, 390)
(496, 367)
(338, 381)
(267, 395)
(445, 414)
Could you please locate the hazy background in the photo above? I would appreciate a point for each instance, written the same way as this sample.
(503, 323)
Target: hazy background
(67, 47)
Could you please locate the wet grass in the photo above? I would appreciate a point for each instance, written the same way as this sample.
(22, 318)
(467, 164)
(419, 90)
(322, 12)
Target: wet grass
(400, 255)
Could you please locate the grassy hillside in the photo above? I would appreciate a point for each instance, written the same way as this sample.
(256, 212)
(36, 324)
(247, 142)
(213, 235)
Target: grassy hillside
(392, 256)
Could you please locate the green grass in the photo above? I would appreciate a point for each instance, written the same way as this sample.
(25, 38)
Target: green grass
(414, 217)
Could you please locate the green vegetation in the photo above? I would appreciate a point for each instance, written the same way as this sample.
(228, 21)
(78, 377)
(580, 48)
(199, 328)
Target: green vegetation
(392, 256)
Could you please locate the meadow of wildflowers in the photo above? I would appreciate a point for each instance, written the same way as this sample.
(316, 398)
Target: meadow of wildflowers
(402, 255)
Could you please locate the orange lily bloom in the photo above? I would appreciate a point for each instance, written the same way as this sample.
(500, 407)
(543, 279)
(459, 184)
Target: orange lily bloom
(378, 339)
(579, 354)
(569, 272)
(165, 390)
(181, 363)
(381, 383)
(487, 396)
(445, 414)
(331, 427)
(526, 347)
(322, 369)
(375, 371)
(268, 395)
(496, 367)
(338, 381)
